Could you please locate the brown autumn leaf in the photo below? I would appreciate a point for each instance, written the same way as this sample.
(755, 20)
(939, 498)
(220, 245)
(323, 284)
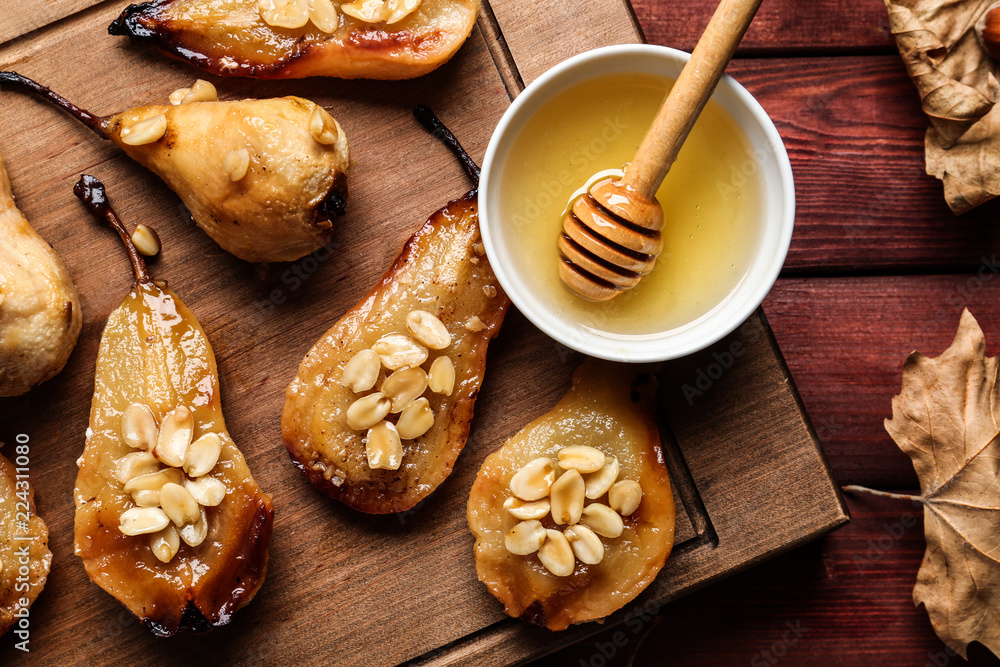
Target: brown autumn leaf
(946, 419)
(959, 87)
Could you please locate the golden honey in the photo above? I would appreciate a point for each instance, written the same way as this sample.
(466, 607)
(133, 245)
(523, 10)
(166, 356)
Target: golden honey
(711, 202)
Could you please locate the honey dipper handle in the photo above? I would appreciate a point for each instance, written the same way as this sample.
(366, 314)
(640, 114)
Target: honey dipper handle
(689, 95)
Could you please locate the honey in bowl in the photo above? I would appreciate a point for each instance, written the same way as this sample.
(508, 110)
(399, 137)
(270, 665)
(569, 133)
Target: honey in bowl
(711, 201)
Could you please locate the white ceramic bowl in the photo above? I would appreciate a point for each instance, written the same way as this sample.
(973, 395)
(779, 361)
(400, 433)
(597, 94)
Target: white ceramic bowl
(777, 209)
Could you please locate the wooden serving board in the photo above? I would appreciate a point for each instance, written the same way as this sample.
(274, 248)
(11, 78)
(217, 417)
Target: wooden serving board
(343, 587)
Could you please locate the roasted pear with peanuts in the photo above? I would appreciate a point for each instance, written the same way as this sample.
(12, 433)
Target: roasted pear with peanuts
(40, 315)
(25, 558)
(382, 404)
(573, 517)
(264, 178)
(289, 39)
(169, 519)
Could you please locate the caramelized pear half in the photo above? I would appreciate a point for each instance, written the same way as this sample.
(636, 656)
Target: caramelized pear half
(441, 272)
(156, 376)
(264, 178)
(40, 315)
(21, 530)
(609, 408)
(232, 37)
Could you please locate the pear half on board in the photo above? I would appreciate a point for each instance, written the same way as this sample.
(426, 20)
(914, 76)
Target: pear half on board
(169, 519)
(383, 402)
(264, 178)
(290, 39)
(40, 316)
(574, 517)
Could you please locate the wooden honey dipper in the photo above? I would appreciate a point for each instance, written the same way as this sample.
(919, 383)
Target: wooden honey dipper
(611, 235)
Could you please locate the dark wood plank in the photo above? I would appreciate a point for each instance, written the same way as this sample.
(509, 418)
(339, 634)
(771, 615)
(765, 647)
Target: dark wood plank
(854, 132)
(781, 26)
(845, 340)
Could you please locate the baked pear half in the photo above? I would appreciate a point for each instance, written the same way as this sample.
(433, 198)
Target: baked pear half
(40, 316)
(169, 519)
(264, 178)
(382, 404)
(290, 39)
(573, 517)
(24, 543)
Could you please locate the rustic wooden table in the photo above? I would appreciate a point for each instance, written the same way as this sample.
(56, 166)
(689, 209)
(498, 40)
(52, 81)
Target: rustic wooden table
(878, 267)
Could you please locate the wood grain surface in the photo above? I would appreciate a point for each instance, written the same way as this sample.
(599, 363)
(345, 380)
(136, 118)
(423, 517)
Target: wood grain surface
(346, 588)
(781, 26)
(836, 114)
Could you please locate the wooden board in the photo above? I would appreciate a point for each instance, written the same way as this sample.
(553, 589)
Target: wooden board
(347, 588)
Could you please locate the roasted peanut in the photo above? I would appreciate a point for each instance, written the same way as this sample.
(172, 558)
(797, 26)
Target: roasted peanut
(533, 481)
(441, 379)
(428, 329)
(566, 497)
(527, 511)
(415, 420)
(139, 427)
(365, 412)
(602, 519)
(556, 554)
(625, 496)
(582, 458)
(525, 538)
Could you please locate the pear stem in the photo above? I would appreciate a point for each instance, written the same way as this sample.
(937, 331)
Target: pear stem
(91, 192)
(438, 129)
(23, 83)
(854, 488)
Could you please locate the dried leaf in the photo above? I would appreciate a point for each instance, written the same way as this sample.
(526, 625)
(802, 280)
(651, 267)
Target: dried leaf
(946, 419)
(959, 87)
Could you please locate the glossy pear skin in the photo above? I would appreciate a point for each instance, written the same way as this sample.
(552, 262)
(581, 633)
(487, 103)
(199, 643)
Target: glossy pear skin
(281, 210)
(439, 270)
(153, 351)
(40, 316)
(608, 407)
(229, 37)
(39, 556)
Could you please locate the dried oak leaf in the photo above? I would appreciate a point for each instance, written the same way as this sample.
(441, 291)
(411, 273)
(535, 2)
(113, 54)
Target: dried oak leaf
(947, 419)
(959, 87)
